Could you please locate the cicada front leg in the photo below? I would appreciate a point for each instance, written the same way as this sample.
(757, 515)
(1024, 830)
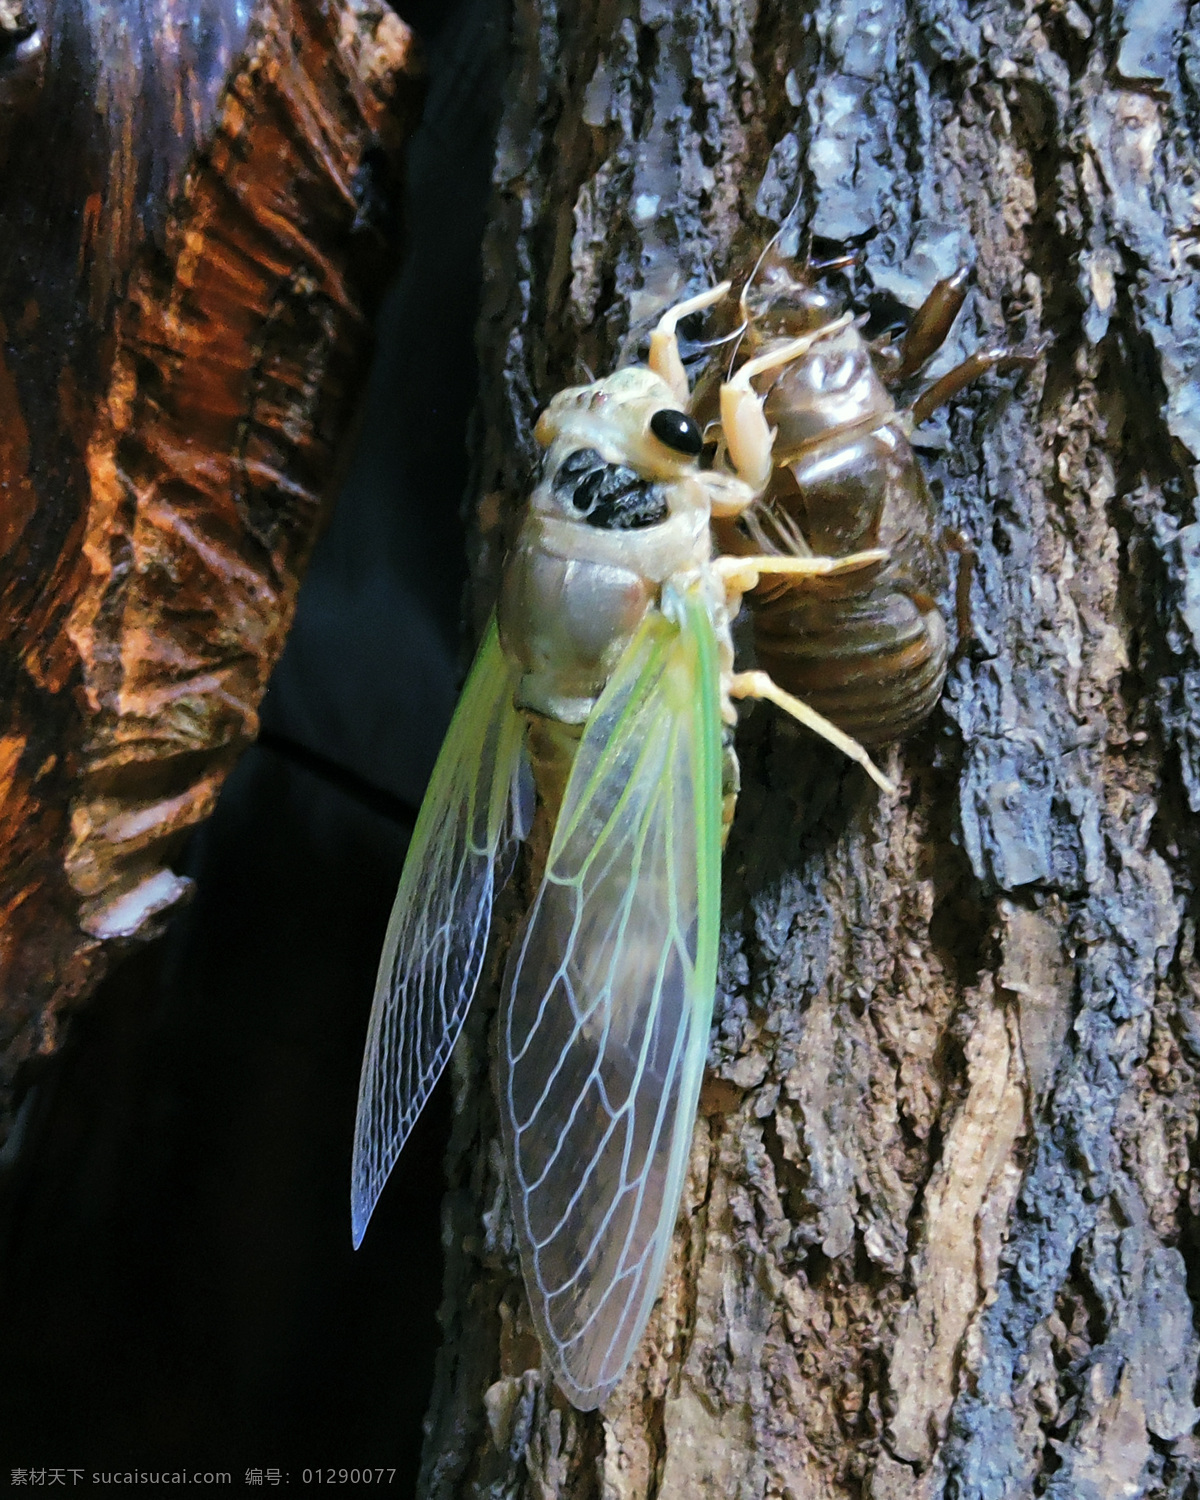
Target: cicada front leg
(748, 438)
(925, 335)
(664, 358)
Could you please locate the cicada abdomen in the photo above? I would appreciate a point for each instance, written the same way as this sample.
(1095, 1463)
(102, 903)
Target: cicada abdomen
(868, 649)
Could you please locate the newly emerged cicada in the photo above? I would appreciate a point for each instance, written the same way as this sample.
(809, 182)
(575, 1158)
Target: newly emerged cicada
(607, 680)
(867, 648)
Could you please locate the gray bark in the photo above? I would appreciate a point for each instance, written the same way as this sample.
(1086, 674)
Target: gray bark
(940, 1228)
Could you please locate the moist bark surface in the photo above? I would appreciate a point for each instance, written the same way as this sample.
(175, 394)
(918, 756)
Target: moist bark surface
(938, 1235)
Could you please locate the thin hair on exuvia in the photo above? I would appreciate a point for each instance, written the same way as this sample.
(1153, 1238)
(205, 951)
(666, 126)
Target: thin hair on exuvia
(607, 681)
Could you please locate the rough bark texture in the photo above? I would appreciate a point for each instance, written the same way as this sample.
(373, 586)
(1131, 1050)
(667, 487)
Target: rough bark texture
(940, 1227)
(191, 246)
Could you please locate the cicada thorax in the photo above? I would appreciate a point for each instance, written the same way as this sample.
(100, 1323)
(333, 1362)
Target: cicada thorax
(609, 521)
(567, 619)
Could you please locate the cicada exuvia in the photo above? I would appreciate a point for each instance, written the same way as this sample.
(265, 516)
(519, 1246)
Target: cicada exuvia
(606, 682)
(867, 648)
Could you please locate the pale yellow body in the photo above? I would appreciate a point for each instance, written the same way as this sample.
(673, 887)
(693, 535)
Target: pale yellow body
(573, 593)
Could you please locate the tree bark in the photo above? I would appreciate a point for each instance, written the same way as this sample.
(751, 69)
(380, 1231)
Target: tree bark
(194, 231)
(939, 1234)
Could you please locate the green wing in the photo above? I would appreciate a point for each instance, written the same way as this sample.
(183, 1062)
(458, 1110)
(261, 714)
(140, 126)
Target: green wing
(608, 999)
(475, 813)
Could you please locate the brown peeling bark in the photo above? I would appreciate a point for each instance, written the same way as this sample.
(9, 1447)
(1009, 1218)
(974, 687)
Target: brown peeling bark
(939, 1232)
(192, 241)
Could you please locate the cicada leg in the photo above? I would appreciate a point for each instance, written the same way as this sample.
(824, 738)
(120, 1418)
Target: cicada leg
(928, 331)
(959, 543)
(925, 335)
(741, 574)
(759, 685)
(748, 439)
(975, 365)
(664, 358)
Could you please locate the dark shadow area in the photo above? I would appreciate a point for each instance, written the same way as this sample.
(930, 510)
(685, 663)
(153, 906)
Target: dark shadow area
(177, 1260)
(175, 1234)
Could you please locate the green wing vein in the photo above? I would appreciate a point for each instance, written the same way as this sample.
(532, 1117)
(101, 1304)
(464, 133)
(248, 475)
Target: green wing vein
(475, 813)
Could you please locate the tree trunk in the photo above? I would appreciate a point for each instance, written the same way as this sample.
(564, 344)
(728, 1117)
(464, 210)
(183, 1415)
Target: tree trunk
(193, 235)
(939, 1233)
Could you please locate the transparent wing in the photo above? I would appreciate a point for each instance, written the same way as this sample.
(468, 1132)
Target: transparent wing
(475, 812)
(608, 998)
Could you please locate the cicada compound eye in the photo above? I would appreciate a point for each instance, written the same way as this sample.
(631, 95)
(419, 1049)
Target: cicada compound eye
(676, 430)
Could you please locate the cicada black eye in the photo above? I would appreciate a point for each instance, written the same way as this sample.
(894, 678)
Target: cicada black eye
(676, 430)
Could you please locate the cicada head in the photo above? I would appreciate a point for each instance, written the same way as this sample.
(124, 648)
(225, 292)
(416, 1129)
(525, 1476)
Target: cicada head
(621, 455)
(780, 300)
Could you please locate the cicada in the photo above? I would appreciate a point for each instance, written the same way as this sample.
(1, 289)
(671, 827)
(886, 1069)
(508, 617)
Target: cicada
(868, 648)
(606, 684)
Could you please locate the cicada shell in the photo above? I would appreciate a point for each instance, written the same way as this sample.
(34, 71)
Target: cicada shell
(607, 680)
(867, 648)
